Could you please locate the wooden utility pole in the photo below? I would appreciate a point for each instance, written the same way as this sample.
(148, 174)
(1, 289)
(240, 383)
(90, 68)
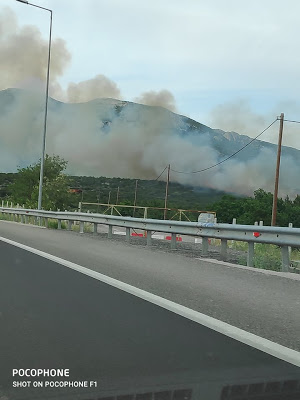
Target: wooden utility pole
(274, 209)
(118, 192)
(167, 190)
(98, 199)
(135, 195)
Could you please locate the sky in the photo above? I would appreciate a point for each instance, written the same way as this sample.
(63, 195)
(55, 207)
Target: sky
(232, 65)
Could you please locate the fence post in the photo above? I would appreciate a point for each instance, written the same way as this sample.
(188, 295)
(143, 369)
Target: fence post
(110, 232)
(250, 254)
(127, 234)
(234, 221)
(204, 246)
(261, 223)
(224, 249)
(173, 241)
(285, 259)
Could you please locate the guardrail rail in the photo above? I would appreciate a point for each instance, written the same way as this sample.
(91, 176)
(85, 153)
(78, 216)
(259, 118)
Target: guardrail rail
(280, 236)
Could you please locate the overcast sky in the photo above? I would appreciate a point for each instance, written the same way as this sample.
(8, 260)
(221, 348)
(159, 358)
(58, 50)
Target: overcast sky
(233, 64)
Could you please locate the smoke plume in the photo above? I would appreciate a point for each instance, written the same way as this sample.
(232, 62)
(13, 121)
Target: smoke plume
(239, 116)
(98, 87)
(115, 138)
(24, 54)
(163, 98)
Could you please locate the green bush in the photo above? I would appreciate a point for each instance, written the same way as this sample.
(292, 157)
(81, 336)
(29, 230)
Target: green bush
(53, 224)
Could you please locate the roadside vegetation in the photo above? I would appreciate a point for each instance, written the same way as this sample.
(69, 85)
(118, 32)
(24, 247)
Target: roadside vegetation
(64, 192)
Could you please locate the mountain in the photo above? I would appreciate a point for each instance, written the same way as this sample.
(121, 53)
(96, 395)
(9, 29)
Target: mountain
(108, 137)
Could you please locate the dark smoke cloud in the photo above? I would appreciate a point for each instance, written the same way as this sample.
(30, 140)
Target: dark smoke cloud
(163, 98)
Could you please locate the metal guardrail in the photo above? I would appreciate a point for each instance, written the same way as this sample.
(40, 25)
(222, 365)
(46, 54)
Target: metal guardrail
(280, 236)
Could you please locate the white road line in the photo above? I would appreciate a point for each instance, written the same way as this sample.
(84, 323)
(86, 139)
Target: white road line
(265, 345)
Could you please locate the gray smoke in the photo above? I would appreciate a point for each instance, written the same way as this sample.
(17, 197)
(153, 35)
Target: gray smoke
(23, 55)
(239, 116)
(91, 89)
(163, 98)
(133, 141)
(136, 142)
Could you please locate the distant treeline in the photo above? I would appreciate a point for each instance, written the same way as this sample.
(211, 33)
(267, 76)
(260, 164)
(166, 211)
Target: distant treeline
(149, 193)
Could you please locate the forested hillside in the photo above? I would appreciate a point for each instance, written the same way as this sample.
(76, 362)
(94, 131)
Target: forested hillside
(246, 210)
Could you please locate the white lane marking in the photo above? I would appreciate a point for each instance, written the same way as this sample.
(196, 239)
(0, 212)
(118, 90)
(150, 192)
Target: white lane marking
(265, 345)
(287, 275)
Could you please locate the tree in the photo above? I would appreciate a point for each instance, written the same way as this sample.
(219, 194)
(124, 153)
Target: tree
(25, 188)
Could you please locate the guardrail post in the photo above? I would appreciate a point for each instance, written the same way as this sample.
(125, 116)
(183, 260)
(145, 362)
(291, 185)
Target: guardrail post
(35, 220)
(2, 203)
(110, 232)
(26, 219)
(234, 221)
(59, 224)
(285, 259)
(224, 249)
(81, 227)
(149, 238)
(95, 228)
(173, 241)
(290, 249)
(250, 254)
(46, 222)
(204, 246)
(70, 223)
(127, 234)
(14, 217)
(22, 219)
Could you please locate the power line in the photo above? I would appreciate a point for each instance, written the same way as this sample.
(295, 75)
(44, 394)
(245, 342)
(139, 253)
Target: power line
(154, 181)
(161, 173)
(232, 155)
(288, 120)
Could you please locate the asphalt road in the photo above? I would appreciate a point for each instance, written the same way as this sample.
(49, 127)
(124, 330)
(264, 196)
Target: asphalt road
(54, 317)
(261, 302)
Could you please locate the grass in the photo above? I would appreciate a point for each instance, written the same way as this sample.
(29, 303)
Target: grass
(4, 217)
(266, 256)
